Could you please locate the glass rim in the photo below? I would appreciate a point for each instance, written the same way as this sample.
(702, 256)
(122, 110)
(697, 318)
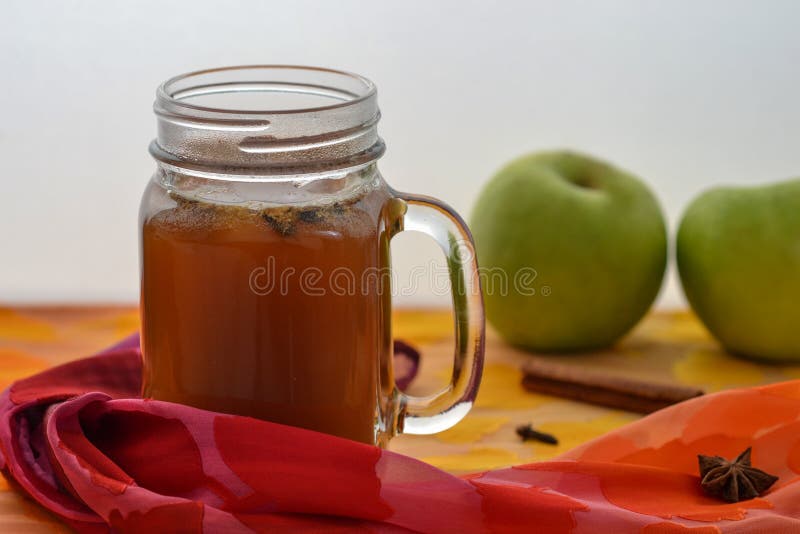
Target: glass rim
(166, 95)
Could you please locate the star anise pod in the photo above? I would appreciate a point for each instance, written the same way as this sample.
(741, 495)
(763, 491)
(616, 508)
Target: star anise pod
(733, 481)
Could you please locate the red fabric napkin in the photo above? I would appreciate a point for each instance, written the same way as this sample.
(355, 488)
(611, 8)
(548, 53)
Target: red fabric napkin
(78, 441)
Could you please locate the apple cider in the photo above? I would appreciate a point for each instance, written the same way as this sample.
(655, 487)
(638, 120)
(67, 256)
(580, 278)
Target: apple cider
(272, 312)
(265, 245)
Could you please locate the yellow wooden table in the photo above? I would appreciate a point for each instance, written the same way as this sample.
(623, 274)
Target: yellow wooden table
(666, 346)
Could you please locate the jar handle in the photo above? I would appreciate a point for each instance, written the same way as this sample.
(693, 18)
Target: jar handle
(442, 410)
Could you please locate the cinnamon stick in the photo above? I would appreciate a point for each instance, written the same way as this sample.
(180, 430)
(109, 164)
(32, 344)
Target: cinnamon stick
(604, 389)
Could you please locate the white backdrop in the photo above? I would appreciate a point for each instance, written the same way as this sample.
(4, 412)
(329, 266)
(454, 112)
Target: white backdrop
(687, 94)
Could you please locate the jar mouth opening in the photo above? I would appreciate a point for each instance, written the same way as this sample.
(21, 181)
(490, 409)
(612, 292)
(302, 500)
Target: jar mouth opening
(267, 119)
(266, 90)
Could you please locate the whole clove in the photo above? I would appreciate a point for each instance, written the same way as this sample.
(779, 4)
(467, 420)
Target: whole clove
(527, 432)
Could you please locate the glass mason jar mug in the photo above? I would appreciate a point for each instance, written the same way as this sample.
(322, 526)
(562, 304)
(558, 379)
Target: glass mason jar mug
(265, 237)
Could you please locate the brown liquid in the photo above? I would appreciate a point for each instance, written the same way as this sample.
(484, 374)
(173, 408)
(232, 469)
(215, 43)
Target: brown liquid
(217, 336)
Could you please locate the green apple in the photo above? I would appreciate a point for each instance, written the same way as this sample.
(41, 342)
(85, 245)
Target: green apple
(591, 236)
(738, 252)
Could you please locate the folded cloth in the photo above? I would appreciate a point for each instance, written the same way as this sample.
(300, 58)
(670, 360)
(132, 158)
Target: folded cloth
(78, 440)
